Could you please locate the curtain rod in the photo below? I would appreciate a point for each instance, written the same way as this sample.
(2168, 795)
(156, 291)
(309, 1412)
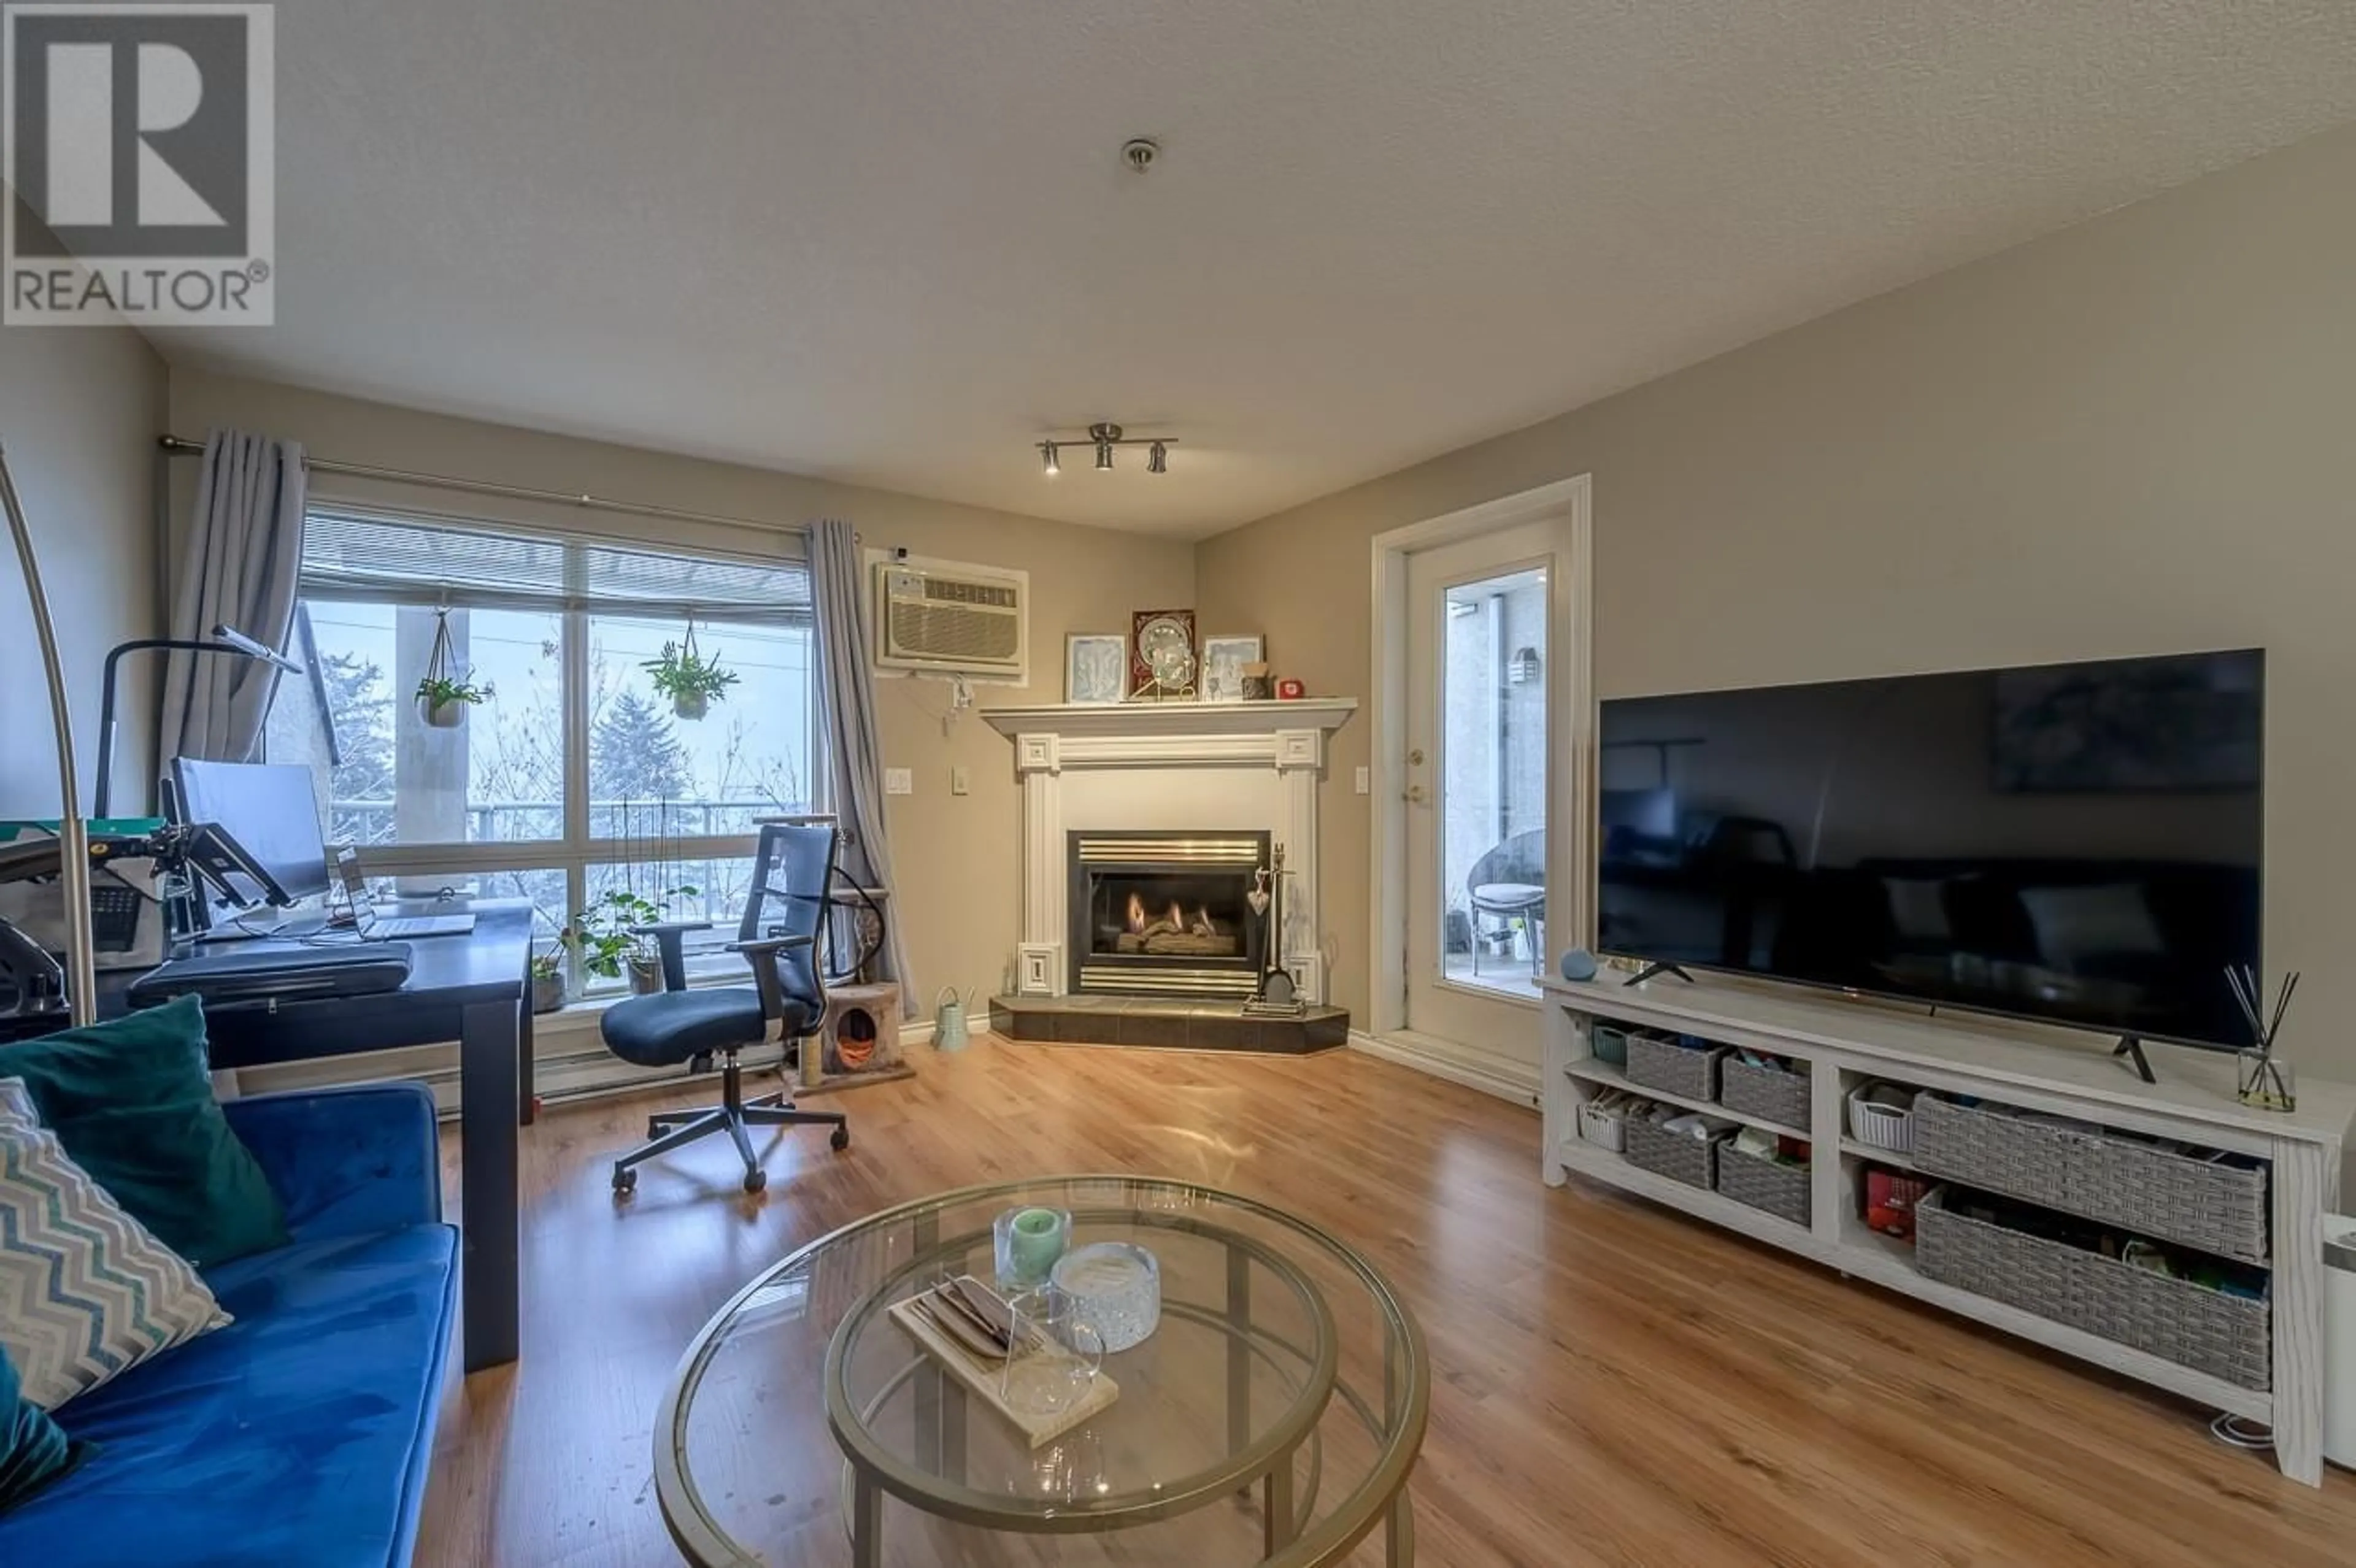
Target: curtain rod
(181, 446)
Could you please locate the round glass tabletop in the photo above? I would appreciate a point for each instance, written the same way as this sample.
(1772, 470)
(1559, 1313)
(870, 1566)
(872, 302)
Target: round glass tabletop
(1271, 1417)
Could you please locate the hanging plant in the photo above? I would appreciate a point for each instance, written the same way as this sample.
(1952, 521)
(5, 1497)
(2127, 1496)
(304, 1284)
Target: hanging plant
(692, 682)
(445, 692)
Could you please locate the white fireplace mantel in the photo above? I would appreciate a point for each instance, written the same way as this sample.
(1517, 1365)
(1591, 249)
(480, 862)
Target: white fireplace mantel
(1166, 765)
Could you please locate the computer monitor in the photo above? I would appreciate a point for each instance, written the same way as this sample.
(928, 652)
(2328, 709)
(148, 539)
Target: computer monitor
(270, 809)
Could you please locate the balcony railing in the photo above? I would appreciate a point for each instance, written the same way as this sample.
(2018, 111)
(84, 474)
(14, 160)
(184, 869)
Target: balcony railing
(371, 822)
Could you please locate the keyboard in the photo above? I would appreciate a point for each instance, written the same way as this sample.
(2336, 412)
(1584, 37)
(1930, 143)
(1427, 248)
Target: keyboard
(404, 927)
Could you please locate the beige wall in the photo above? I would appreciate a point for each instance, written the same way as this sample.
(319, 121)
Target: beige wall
(2130, 437)
(956, 855)
(79, 411)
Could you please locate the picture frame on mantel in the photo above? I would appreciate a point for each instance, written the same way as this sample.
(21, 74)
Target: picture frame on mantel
(1224, 659)
(1095, 669)
(1163, 660)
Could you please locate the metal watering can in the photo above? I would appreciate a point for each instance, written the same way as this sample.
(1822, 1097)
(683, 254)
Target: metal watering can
(949, 1032)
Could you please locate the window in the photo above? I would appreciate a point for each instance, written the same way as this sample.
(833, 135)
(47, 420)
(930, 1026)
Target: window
(574, 776)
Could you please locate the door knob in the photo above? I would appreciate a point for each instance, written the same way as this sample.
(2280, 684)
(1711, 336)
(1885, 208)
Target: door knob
(1416, 796)
(1416, 757)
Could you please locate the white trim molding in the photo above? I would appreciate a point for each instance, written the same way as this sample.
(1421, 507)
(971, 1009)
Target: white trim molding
(1210, 738)
(1505, 1079)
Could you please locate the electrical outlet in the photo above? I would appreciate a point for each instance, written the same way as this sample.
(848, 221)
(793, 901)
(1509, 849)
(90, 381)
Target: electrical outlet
(1366, 780)
(960, 781)
(899, 781)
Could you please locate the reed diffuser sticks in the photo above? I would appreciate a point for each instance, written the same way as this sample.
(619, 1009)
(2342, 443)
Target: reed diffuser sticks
(2262, 1080)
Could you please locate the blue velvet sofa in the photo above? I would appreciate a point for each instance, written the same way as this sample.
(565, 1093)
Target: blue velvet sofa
(300, 1434)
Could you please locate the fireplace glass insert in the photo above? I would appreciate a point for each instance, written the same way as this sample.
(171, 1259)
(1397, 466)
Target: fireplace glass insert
(1167, 914)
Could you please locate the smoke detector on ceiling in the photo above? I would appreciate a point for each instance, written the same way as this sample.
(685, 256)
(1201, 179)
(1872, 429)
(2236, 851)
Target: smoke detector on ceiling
(1139, 153)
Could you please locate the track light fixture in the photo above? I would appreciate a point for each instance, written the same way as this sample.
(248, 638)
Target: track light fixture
(1104, 436)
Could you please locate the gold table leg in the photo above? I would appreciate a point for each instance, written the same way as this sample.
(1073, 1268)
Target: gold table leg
(866, 1522)
(1280, 1522)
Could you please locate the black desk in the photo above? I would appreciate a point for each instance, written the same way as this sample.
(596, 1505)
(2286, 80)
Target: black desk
(473, 989)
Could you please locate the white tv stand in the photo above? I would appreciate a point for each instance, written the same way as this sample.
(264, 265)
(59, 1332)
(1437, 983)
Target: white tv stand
(1846, 1041)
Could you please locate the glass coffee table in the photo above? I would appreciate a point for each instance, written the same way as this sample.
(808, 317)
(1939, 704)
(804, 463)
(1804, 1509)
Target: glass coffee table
(1272, 1417)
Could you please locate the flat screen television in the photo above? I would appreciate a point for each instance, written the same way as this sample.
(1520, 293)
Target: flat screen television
(2075, 843)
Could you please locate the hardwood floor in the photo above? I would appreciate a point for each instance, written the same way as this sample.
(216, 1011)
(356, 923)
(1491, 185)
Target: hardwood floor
(1611, 1382)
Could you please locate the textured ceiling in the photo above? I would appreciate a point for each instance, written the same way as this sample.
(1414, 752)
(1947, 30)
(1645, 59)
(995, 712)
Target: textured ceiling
(891, 242)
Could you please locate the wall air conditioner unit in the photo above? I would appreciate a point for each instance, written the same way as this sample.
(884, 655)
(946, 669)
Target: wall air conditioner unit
(938, 617)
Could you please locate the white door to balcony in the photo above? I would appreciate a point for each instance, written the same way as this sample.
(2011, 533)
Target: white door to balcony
(1483, 740)
(1476, 776)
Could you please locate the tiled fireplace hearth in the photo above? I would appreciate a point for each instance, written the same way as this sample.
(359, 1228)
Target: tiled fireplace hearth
(1142, 826)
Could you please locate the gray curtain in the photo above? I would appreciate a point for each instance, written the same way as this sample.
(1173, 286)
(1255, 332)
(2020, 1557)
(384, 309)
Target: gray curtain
(854, 745)
(236, 567)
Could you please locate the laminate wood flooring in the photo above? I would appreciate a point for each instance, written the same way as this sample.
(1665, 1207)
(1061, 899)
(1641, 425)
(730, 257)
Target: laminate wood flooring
(1613, 1383)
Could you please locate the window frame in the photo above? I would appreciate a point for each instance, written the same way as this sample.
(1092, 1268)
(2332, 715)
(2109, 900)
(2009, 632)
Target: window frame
(421, 869)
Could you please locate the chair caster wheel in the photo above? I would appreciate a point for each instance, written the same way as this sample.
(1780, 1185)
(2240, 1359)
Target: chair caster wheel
(624, 1183)
(841, 1140)
(756, 1179)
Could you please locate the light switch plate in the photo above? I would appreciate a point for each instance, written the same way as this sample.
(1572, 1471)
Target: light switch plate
(1366, 782)
(899, 781)
(960, 779)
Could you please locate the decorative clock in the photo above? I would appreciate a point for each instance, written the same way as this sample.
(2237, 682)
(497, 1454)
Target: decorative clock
(1162, 663)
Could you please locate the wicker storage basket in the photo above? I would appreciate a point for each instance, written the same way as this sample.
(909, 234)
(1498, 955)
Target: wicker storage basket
(1664, 1064)
(1779, 1189)
(1772, 1094)
(1693, 1162)
(1609, 1041)
(2121, 1181)
(2175, 1319)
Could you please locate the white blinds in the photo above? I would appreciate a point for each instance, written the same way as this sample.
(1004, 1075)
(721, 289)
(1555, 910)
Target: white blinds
(351, 555)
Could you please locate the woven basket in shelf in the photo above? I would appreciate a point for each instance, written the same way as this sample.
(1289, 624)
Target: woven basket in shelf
(1772, 1094)
(1693, 1162)
(1673, 1068)
(2121, 1181)
(1778, 1189)
(2227, 1336)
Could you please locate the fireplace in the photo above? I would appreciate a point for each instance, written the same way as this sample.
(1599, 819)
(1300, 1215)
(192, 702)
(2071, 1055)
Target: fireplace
(1167, 914)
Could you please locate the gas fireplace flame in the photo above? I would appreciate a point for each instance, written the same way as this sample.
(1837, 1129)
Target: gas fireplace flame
(1176, 920)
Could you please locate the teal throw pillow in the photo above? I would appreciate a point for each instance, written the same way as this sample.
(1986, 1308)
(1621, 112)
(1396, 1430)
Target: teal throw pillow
(34, 1449)
(131, 1100)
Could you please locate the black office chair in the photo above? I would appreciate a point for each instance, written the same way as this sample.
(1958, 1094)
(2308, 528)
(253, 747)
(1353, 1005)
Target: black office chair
(784, 926)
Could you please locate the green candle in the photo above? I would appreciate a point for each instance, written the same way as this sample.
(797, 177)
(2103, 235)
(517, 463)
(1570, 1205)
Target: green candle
(1036, 1241)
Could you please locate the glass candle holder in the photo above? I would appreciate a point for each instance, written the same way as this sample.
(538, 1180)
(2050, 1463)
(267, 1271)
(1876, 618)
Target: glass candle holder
(1025, 1244)
(2265, 1081)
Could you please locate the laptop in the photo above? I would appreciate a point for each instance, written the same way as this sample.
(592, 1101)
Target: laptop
(374, 927)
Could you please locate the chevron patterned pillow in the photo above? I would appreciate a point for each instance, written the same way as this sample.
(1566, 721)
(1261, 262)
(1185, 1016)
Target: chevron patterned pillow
(85, 1291)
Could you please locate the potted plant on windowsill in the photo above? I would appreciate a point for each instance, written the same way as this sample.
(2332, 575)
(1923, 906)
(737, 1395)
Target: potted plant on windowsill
(692, 682)
(547, 980)
(601, 937)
